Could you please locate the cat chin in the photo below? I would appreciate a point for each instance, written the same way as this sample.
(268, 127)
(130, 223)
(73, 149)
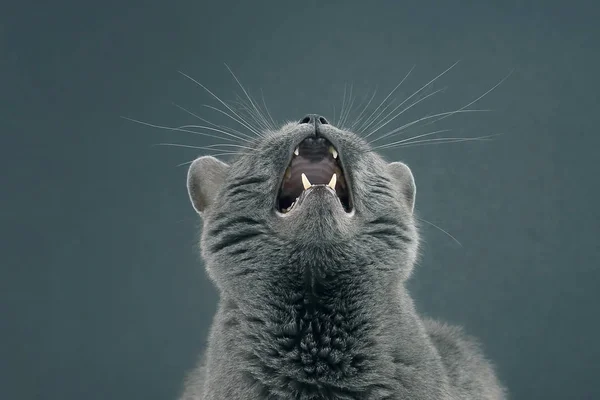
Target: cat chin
(318, 216)
(317, 201)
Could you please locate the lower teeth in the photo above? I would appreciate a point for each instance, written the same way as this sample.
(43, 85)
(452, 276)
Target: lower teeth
(290, 207)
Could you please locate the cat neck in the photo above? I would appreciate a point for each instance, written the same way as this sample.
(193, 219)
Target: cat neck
(344, 344)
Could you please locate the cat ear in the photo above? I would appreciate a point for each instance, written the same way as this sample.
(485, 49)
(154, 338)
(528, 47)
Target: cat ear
(205, 177)
(405, 181)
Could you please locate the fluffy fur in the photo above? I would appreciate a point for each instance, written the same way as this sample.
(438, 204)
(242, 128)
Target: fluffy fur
(313, 304)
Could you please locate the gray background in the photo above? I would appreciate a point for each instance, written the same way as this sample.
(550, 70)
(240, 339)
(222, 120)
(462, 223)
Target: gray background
(102, 292)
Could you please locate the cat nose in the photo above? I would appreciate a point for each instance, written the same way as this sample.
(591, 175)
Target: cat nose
(313, 119)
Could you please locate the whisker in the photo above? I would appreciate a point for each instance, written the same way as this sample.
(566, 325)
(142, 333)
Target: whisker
(387, 121)
(480, 97)
(256, 109)
(189, 146)
(273, 123)
(358, 118)
(376, 117)
(257, 118)
(333, 120)
(230, 145)
(444, 141)
(349, 108)
(383, 146)
(403, 127)
(225, 128)
(182, 130)
(441, 230)
(425, 86)
(363, 128)
(449, 114)
(243, 123)
(213, 155)
(240, 120)
(342, 109)
(214, 129)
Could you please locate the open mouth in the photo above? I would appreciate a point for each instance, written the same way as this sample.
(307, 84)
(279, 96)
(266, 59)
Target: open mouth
(315, 162)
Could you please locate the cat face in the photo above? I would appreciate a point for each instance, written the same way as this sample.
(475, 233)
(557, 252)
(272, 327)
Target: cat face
(307, 196)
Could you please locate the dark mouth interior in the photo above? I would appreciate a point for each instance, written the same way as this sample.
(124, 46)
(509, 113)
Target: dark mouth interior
(318, 160)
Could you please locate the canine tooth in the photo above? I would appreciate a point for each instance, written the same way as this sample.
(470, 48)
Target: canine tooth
(332, 182)
(296, 152)
(288, 173)
(333, 152)
(305, 182)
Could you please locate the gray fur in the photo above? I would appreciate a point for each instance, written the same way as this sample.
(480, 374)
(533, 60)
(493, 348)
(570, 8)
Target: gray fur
(313, 305)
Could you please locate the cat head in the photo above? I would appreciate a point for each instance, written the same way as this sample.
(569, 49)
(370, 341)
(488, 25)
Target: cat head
(308, 195)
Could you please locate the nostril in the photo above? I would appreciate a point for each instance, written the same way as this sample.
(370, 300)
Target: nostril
(313, 119)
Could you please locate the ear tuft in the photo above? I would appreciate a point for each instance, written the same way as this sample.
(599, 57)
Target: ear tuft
(405, 181)
(205, 177)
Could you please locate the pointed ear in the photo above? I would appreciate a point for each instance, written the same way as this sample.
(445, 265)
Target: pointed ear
(205, 177)
(403, 177)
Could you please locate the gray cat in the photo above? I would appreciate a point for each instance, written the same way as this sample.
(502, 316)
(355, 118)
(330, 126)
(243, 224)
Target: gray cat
(309, 238)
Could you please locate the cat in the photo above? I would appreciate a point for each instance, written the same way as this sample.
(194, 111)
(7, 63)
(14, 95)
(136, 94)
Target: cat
(309, 237)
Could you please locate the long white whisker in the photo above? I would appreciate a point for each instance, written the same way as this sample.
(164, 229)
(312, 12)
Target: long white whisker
(184, 130)
(358, 118)
(435, 226)
(213, 155)
(480, 97)
(403, 127)
(383, 146)
(350, 105)
(240, 120)
(273, 123)
(425, 86)
(387, 121)
(333, 120)
(444, 141)
(363, 128)
(448, 114)
(248, 108)
(212, 129)
(188, 146)
(256, 109)
(343, 108)
(225, 128)
(230, 145)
